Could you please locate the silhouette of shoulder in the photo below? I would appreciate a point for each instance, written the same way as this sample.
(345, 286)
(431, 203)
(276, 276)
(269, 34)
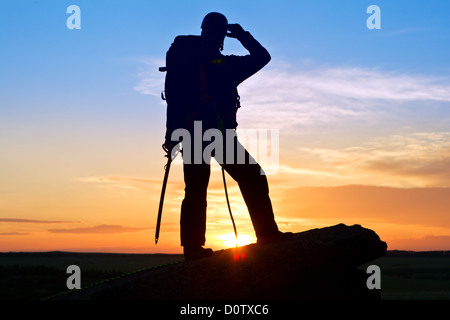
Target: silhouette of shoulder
(243, 67)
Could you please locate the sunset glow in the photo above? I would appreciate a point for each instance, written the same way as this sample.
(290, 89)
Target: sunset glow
(229, 240)
(362, 117)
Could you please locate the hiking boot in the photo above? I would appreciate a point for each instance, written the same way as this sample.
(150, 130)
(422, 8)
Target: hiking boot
(196, 252)
(275, 237)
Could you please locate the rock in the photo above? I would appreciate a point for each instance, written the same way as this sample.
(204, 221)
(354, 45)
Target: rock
(315, 264)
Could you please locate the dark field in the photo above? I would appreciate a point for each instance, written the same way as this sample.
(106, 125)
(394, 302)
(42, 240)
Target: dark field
(35, 276)
(415, 275)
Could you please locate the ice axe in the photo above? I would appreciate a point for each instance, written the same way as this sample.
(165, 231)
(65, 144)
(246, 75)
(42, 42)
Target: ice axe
(170, 156)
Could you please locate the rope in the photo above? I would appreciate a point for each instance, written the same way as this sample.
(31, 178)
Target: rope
(228, 204)
(221, 128)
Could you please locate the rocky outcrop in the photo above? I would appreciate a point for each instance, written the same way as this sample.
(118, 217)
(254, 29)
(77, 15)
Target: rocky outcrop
(315, 264)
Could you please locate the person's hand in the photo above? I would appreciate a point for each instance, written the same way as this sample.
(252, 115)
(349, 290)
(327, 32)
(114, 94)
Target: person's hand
(168, 146)
(236, 31)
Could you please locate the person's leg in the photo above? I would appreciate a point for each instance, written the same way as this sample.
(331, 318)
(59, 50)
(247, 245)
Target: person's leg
(193, 209)
(255, 191)
(254, 188)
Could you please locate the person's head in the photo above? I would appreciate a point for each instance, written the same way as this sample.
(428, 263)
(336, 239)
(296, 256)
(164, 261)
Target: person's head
(214, 30)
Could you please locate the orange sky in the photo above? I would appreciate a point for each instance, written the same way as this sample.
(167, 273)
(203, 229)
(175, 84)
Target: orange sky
(118, 214)
(98, 189)
(362, 115)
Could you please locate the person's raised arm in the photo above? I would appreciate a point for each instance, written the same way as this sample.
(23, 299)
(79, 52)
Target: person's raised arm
(245, 66)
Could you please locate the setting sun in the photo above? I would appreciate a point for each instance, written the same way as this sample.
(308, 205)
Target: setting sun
(229, 239)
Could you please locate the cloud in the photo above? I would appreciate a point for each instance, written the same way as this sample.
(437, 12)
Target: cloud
(15, 220)
(9, 221)
(282, 95)
(284, 82)
(325, 103)
(117, 179)
(285, 97)
(151, 81)
(410, 30)
(291, 170)
(410, 160)
(14, 233)
(123, 183)
(420, 159)
(317, 83)
(100, 229)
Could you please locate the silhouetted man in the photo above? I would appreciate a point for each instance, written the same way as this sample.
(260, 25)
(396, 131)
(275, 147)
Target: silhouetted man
(201, 85)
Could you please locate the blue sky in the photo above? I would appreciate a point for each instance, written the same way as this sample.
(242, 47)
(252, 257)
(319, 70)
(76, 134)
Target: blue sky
(80, 112)
(81, 84)
(414, 37)
(328, 31)
(41, 53)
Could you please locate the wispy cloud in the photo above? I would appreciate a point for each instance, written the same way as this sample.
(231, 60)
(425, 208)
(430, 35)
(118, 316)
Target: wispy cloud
(284, 96)
(15, 220)
(14, 233)
(412, 160)
(124, 183)
(316, 83)
(410, 30)
(151, 81)
(100, 229)
(117, 179)
(319, 96)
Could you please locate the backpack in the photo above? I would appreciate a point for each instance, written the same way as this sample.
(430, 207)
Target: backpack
(182, 57)
(182, 49)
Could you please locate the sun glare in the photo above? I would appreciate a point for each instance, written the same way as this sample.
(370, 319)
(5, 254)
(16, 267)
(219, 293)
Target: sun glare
(229, 239)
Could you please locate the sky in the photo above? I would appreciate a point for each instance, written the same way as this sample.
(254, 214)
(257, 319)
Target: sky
(362, 116)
